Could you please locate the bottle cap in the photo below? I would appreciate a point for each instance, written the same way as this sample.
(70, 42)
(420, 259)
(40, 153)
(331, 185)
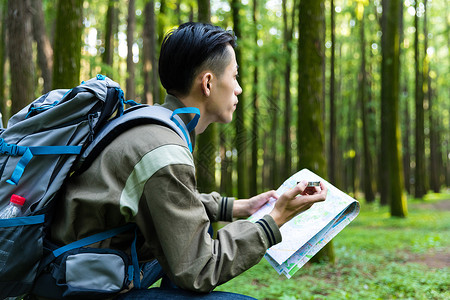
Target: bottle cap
(16, 199)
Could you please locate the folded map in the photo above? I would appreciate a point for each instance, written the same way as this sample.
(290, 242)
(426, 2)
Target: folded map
(307, 233)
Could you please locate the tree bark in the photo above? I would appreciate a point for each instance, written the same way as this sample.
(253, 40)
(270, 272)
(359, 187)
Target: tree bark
(20, 53)
(207, 141)
(287, 41)
(108, 55)
(67, 49)
(390, 130)
(310, 134)
(131, 91)
(362, 95)
(150, 65)
(204, 11)
(420, 171)
(4, 108)
(435, 170)
(44, 47)
(255, 122)
(241, 130)
(332, 174)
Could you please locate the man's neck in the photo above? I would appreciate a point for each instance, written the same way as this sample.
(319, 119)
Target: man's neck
(193, 101)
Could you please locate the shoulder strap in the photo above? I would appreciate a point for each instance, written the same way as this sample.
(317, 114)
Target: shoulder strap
(135, 116)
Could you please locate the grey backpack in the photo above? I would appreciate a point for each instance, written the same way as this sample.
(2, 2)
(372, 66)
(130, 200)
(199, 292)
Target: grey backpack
(60, 133)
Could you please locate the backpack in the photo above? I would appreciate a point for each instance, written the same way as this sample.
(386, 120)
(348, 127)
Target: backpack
(59, 134)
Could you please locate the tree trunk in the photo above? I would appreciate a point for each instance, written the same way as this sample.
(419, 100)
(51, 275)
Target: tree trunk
(108, 55)
(150, 66)
(406, 137)
(383, 175)
(226, 165)
(420, 170)
(389, 109)
(287, 40)
(435, 171)
(67, 49)
(310, 135)
(332, 129)
(20, 53)
(255, 124)
(275, 112)
(362, 95)
(131, 94)
(4, 109)
(241, 130)
(204, 11)
(161, 30)
(44, 47)
(207, 141)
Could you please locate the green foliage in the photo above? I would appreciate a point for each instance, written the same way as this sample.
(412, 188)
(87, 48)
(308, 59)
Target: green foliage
(378, 257)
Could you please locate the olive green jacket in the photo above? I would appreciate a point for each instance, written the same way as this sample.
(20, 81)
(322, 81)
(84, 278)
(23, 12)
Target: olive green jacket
(147, 176)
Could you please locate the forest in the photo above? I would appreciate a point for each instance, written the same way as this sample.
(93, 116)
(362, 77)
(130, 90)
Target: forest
(354, 90)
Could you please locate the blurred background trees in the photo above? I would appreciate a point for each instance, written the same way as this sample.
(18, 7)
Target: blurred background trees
(355, 90)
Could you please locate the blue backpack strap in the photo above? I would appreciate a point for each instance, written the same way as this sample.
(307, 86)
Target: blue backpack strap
(190, 126)
(135, 116)
(27, 154)
(98, 237)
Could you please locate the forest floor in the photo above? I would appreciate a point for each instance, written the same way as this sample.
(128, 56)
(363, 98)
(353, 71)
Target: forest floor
(433, 258)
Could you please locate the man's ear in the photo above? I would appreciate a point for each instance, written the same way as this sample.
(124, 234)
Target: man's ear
(206, 83)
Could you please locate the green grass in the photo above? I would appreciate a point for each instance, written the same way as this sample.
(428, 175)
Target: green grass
(378, 257)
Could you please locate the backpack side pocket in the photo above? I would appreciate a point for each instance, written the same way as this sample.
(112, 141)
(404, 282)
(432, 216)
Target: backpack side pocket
(21, 248)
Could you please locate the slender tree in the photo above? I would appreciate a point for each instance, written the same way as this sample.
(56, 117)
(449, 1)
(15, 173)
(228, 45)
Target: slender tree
(131, 94)
(204, 11)
(4, 109)
(162, 22)
(390, 130)
(310, 134)
(67, 49)
(108, 55)
(434, 178)
(255, 121)
(406, 136)
(20, 53)
(404, 100)
(332, 172)
(362, 95)
(287, 46)
(420, 171)
(44, 47)
(207, 141)
(150, 66)
(241, 130)
(226, 165)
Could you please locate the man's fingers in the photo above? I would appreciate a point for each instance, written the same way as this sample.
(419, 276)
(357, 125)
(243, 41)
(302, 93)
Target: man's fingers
(296, 190)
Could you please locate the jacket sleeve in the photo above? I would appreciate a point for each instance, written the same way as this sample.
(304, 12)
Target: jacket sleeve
(180, 221)
(217, 207)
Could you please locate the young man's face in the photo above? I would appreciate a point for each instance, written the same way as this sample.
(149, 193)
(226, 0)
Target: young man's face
(224, 91)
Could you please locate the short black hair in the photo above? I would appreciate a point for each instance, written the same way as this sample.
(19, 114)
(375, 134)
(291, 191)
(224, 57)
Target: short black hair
(190, 49)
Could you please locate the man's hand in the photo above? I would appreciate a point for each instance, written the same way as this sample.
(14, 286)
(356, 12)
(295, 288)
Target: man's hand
(294, 201)
(244, 208)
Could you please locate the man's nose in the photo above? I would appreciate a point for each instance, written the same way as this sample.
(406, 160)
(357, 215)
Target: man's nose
(238, 90)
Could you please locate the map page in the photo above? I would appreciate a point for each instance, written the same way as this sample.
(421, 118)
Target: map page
(307, 233)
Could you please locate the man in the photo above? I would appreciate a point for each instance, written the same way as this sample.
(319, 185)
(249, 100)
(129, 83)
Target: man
(147, 176)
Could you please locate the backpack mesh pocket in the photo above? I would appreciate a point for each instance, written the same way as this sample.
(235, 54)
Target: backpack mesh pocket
(21, 248)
